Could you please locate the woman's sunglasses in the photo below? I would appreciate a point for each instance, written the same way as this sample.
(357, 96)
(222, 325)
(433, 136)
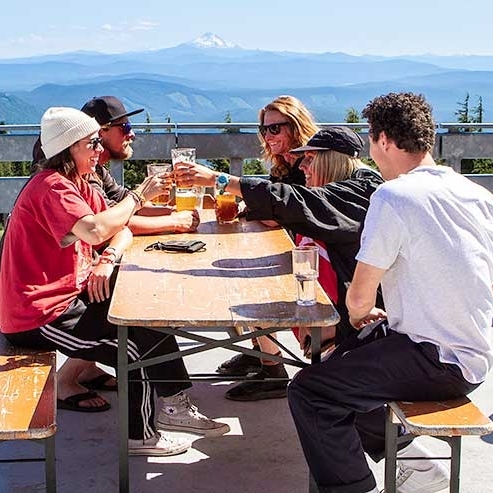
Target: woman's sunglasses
(94, 142)
(273, 128)
(126, 127)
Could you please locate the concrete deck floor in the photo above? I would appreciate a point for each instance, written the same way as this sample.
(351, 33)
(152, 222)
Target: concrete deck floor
(260, 454)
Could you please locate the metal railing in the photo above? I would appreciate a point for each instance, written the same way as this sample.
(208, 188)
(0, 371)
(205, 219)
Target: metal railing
(236, 142)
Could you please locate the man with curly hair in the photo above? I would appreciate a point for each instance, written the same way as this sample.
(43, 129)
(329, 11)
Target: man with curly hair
(427, 240)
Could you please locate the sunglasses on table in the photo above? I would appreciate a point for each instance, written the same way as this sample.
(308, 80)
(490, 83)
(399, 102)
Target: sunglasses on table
(94, 143)
(273, 128)
(126, 127)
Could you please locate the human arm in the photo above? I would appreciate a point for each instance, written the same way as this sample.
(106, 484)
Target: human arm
(362, 294)
(176, 222)
(333, 214)
(97, 228)
(98, 286)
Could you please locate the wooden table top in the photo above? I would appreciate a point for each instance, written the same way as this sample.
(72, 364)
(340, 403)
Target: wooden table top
(242, 278)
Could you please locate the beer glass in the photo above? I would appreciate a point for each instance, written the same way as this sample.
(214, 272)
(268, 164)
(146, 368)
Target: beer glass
(158, 169)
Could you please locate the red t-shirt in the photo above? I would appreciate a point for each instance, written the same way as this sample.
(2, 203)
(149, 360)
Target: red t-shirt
(39, 277)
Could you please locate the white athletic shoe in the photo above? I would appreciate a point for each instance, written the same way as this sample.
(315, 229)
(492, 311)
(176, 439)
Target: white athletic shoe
(412, 480)
(179, 414)
(159, 444)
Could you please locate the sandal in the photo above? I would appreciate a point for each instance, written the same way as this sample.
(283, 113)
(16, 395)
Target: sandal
(72, 403)
(99, 383)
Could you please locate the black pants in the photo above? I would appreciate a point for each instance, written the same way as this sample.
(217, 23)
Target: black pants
(337, 405)
(83, 331)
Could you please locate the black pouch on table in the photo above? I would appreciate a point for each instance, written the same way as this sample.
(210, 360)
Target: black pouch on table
(190, 246)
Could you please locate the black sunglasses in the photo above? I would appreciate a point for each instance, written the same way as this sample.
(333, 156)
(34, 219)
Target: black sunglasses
(94, 142)
(273, 128)
(126, 127)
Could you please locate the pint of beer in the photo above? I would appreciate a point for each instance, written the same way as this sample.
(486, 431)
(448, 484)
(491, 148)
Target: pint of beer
(226, 208)
(157, 169)
(186, 199)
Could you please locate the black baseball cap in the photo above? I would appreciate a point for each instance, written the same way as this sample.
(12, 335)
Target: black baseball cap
(340, 139)
(107, 109)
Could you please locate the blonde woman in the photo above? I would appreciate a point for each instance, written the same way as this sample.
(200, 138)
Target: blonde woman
(323, 164)
(284, 123)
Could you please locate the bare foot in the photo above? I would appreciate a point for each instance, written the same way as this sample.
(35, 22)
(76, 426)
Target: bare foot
(91, 371)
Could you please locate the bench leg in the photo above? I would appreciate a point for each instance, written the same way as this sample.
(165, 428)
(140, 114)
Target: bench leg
(391, 433)
(455, 449)
(50, 464)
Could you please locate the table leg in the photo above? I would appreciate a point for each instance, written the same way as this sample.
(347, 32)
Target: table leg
(123, 409)
(316, 335)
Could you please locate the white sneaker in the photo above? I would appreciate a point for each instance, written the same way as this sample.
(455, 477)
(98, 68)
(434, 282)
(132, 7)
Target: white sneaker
(412, 480)
(159, 444)
(179, 414)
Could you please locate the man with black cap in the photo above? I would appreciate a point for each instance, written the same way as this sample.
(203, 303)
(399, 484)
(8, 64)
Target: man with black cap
(117, 135)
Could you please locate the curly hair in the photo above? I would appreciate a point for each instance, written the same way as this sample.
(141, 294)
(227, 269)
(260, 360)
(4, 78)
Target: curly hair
(302, 128)
(406, 119)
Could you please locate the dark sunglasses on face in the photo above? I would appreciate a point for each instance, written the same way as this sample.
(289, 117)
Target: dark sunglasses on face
(94, 142)
(273, 128)
(126, 127)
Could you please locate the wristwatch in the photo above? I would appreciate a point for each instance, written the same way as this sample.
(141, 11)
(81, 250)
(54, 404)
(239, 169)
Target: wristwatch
(222, 181)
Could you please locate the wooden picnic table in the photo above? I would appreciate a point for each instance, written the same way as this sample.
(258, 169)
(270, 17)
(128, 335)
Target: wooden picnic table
(242, 279)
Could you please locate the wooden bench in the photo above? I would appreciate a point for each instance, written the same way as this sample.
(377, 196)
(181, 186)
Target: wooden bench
(28, 402)
(445, 420)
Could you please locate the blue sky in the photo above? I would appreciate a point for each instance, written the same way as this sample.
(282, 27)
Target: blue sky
(382, 27)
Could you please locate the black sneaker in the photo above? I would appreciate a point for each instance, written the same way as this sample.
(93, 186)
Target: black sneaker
(240, 365)
(264, 388)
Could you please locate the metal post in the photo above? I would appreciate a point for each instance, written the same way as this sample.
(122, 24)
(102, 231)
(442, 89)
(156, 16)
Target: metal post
(50, 464)
(391, 431)
(123, 409)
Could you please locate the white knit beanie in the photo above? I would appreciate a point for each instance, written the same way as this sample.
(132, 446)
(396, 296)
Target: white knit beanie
(62, 127)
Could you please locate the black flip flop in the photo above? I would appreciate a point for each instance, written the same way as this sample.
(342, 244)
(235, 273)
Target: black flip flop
(72, 403)
(99, 383)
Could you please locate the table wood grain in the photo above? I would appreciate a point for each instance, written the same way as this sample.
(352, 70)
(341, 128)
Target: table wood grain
(242, 278)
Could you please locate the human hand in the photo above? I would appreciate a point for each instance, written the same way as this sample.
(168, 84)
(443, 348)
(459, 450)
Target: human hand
(98, 284)
(372, 316)
(155, 185)
(186, 221)
(189, 174)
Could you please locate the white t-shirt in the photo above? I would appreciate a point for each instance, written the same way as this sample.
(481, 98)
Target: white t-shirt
(432, 230)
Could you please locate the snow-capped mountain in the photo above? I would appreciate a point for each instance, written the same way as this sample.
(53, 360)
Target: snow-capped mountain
(211, 40)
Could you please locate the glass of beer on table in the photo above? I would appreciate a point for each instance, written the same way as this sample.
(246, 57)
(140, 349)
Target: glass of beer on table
(226, 207)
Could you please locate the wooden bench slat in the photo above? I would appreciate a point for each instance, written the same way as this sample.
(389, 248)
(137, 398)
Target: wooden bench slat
(27, 393)
(442, 418)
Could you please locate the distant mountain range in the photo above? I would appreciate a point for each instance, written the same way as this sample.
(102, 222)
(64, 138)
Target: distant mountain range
(203, 80)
